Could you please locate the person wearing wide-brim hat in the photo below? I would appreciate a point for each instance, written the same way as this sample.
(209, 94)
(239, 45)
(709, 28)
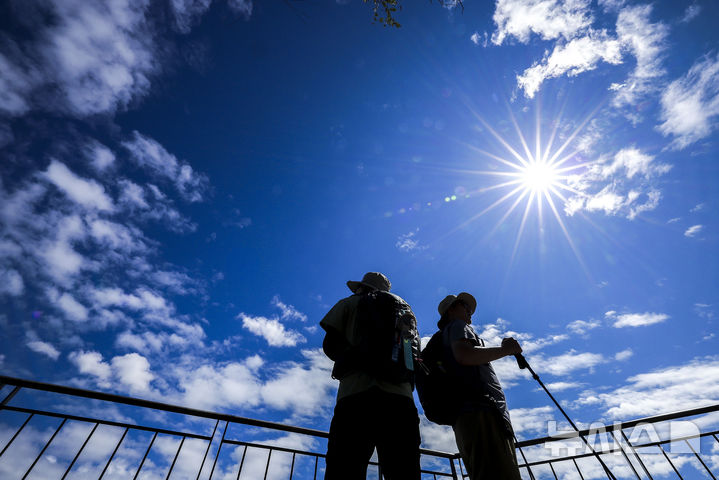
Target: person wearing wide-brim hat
(483, 429)
(372, 410)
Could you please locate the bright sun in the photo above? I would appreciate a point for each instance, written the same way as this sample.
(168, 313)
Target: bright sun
(539, 176)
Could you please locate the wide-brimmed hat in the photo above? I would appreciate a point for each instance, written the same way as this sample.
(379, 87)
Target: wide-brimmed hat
(450, 300)
(373, 280)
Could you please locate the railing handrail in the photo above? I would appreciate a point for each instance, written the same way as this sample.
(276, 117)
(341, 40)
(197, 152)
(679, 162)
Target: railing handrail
(138, 402)
(621, 425)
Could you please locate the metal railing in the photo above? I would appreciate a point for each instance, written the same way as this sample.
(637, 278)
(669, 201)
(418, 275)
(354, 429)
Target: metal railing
(33, 459)
(65, 440)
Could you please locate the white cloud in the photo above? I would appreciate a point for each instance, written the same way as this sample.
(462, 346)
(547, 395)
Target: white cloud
(15, 84)
(272, 330)
(72, 309)
(187, 12)
(304, 390)
(693, 231)
(572, 58)
(620, 184)
(288, 312)
(100, 53)
(133, 371)
(92, 363)
(623, 355)
(529, 422)
(11, 282)
(243, 7)
(88, 193)
(45, 348)
(664, 390)
(646, 41)
(478, 39)
(150, 154)
(409, 243)
(561, 386)
(690, 104)
(101, 157)
(636, 319)
(580, 327)
(550, 19)
(691, 13)
(568, 362)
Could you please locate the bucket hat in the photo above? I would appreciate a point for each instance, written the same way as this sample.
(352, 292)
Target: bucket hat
(450, 300)
(373, 280)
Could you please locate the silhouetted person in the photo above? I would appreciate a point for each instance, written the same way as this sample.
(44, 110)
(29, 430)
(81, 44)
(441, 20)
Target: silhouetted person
(372, 338)
(483, 429)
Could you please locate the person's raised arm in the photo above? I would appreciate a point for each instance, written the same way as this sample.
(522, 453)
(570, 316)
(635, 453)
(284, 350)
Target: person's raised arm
(467, 354)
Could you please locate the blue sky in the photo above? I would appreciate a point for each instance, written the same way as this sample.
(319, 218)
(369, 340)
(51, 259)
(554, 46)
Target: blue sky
(186, 186)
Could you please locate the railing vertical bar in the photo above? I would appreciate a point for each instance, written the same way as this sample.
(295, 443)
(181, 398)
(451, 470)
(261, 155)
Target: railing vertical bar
(147, 452)
(670, 462)
(177, 454)
(267, 467)
(219, 447)
(79, 452)
(453, 469)
(626, 457)
(44, 448)
(579, 470)
(113, 453)
(242, 462)
(292, 467)
(700, 460)
(636, 454)
(317, 459)
(553, 472)
(209, 444)
(529, 470)
(16, 434)
(9, 396)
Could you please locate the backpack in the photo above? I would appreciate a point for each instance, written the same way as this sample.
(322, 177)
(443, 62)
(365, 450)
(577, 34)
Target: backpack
(437, 387)
(389, 342)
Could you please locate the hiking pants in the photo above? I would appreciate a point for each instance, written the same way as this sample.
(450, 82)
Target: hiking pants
(485, 446)
(370, 419)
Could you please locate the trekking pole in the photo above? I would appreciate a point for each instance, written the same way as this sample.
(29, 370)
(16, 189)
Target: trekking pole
(522, 363)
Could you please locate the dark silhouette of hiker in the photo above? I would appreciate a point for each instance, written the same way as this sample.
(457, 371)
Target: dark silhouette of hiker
(372, 338)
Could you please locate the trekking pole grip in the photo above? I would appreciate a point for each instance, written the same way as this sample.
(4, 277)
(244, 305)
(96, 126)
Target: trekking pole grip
(521, 361)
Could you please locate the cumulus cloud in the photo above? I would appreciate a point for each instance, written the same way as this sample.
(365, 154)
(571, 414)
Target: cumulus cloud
(133, 371)
(636, 319)
(622, 184)
(693, 231)
(690, 104)
(288, 312)
(91, 363)
(148, 153)
(624, 355)
(272, 330)
(550, 19)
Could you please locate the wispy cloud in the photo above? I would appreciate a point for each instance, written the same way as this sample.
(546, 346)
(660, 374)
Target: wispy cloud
(409, 243)
(693, 231)
(636, 319)
(690, 103)
(624, 355)
(622, 184)
(581, 327)
(44, 348)
(85, 192)
(572, 58)
(691, 13)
